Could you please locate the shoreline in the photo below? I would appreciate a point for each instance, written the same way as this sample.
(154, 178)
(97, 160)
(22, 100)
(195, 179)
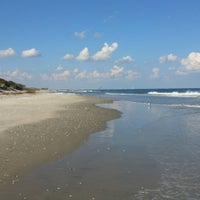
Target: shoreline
(37, 128)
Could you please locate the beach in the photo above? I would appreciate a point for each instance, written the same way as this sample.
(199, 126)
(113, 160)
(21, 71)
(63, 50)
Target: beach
(137, 150)
(37, 128)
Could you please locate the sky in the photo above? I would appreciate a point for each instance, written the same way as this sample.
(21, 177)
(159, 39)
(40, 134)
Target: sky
(100, 44)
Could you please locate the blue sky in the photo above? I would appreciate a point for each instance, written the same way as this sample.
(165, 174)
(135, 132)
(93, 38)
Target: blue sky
(100, 43)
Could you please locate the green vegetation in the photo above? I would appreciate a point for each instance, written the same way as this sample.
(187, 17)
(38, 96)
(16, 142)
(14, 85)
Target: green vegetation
(10, 85)
(31, 90)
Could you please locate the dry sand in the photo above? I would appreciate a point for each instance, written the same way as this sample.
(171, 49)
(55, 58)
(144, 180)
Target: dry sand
(36, 128)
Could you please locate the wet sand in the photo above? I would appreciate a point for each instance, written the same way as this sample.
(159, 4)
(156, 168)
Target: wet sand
(36, 128)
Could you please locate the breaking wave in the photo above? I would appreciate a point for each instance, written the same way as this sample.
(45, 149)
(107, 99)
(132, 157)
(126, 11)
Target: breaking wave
(176, 94)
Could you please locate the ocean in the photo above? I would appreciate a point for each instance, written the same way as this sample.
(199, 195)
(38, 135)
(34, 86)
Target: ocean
(151, 152)
(189, 97)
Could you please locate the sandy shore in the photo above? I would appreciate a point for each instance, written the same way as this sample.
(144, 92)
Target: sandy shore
(40, 127)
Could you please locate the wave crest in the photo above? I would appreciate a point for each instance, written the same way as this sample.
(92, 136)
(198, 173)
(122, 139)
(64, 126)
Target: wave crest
(176, 94)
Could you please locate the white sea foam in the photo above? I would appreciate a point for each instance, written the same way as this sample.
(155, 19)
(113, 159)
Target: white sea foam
(176, 94)
(185, 105)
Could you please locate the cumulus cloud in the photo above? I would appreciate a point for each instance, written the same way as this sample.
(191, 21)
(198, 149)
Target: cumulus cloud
(30, 53)
(17, 74)
(131, 75)
(96, 74)
(7, 52)
(81, 75)
(116, 70)
(99, 75)
(76, 70)
(80, 35)
(155, 73)
(25, 75)
(90, 75)
(105, 52)
(68, 57)
(12, 73)
(192, 62)
(75, 73)
(83, 55)
(170, 57)
(61, 76)
(125, 59)
(59, 68)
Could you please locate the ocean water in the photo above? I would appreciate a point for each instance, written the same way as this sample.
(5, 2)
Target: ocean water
(151, 153)
(189, 97)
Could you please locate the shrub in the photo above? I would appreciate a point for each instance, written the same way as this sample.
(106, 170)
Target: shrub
(31, 90)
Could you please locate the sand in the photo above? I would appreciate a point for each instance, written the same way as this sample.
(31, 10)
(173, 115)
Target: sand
(37, 128)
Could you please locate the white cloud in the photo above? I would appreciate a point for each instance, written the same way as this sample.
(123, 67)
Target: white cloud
(61, 76)
(105, 52)
(155, 73)
(59, 68)
(76, 71)
(83, 55)
(25, 75)
(68, 57)
(169, 57)
(6, 53)
(30, 53)
(125, 59)
(80, 35)
(181, 72)
(17, 74)
(82, 75)
(13, 73)
(116, 70)
(192, 62)
(92, 75)
(131, 75)
(97, 75)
